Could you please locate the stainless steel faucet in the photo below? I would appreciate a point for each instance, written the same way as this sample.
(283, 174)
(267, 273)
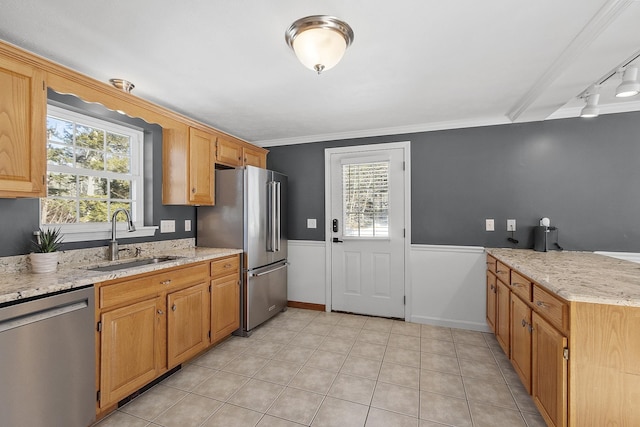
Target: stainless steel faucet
(114, 253)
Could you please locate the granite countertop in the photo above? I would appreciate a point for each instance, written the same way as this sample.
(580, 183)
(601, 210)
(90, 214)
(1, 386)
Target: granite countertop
(578, 276)
(20, 285)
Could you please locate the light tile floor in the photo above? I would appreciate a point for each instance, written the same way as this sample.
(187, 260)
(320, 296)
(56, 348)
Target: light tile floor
(330, 369)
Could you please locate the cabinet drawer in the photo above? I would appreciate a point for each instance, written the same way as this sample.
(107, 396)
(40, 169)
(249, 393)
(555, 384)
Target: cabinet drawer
(502, 271)
(491, 263)
(551, 308)
(131, 290)
(521, 286)
(179, 278)
(222, 267)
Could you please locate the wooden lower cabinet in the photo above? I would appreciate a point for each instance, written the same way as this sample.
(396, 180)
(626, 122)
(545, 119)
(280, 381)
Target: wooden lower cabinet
(503, 320)
(491, 300)
(225, 307)
(187, 323)
(521, 330)
(130, 341)
(549, 381)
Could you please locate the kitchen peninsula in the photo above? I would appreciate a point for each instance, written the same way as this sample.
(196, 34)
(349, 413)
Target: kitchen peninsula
(570, 324)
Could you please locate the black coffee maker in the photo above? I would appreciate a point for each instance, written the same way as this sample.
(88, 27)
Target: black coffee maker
(545, 237)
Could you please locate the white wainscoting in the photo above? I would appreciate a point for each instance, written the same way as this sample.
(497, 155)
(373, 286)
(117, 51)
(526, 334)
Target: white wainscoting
(446, 286)
(306, 271)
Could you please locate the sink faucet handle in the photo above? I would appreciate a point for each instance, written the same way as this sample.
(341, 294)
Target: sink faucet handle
(138, 251)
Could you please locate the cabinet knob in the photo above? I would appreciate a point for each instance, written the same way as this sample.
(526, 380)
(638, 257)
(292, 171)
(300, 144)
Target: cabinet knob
(166, 282)
(227, 265)
(541, 304)
(160, 312)
(524, 323)
(193, 190)
(173, 307)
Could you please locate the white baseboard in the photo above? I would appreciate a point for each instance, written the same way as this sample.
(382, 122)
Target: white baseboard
(451, 323)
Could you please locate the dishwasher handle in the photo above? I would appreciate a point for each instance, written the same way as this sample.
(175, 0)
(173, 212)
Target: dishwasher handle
(27, 319)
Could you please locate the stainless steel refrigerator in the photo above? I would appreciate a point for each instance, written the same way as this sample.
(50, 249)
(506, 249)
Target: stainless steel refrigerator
(250, 213)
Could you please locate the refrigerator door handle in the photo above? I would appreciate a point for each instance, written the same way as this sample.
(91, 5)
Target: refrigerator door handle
(263, 273)
(273, 216)
(278, 233)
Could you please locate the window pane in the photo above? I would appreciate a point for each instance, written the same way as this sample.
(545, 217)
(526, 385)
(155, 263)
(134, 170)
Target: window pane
(118, 143)
(93, 211)
(92, 187)
(58, 211)
(118, 164)
(120, 205)
(60, 131)
(90, 159)
(61, 184)
(59, 155)
(89, 137)
(120, 189)
(365, 192)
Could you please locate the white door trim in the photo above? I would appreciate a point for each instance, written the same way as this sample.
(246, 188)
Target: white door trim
(406, 147)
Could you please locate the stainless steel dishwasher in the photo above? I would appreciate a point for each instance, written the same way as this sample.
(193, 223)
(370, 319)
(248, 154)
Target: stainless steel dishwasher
(47, 361)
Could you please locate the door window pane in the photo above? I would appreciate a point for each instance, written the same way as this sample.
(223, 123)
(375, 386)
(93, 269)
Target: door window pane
(365, 189)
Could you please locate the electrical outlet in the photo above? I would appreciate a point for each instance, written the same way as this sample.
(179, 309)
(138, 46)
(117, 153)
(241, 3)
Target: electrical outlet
(168, 226)
(187, 225)
(311, 223)
(489, 225)
(511, 225)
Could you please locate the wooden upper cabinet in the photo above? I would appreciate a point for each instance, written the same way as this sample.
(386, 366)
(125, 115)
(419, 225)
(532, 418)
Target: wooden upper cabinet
(201, 167)
(228, 152)
(253, 157)
(23, 100)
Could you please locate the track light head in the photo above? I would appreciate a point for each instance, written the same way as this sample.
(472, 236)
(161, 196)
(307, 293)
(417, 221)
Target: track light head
(591, 109)
(630, 85)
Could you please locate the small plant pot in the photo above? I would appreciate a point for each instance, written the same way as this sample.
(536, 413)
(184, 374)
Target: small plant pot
(43, 262)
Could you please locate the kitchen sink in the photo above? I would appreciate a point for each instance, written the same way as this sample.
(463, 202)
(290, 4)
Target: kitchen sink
(135, 263)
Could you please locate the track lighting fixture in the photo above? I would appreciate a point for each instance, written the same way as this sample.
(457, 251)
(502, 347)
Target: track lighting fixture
(591, 109)
(630, 85)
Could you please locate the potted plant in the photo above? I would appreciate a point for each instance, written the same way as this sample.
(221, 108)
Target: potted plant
(45, 257)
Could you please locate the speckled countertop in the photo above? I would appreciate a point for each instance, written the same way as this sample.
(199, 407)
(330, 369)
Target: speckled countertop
(578, 276)
(19, 285)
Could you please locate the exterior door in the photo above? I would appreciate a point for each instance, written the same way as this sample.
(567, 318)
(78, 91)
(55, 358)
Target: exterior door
(366, 228)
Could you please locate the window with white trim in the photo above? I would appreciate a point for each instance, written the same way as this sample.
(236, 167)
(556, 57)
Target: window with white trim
(93, 168)
(365, 189)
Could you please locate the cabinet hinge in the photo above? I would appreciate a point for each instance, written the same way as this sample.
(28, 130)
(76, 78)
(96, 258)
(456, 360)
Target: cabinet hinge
(99, 327)
(43, 86)
(565, 353)
(209, 288)
(98, 396)
(209, 334)
(44, 179)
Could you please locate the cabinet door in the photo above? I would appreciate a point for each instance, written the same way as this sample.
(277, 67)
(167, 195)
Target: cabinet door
(129, 349)
(187, 323)
(23, 100)
(225, 306)
(491, 301)
(521, 340)
(228, 152)
(502, 316)
(254, 158)
(549, 374)
(201, 167)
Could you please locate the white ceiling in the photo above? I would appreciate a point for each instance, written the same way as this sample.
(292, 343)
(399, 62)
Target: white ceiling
(415, 65)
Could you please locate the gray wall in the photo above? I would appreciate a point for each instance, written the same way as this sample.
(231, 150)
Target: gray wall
(582, 174)
(20, 217)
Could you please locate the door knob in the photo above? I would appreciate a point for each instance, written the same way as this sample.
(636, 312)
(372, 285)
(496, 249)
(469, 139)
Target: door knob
(336, 240)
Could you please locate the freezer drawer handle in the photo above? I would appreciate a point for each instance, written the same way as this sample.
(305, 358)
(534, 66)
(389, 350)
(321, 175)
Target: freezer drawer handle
(270, 271)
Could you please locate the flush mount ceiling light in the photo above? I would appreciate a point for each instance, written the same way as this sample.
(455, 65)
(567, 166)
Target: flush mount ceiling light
(591, 109)
(123, 85)
(319, 41)
(630, 85)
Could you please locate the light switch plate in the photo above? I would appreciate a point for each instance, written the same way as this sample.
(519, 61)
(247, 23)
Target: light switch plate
(311, 223)
(167, 226)
(489, 225)
(187, 225)
(511, 225)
